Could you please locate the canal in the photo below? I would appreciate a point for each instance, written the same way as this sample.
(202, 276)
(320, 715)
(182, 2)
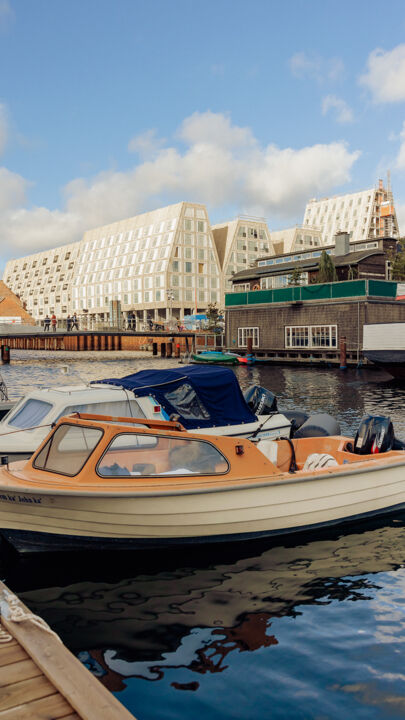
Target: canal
(308, 627)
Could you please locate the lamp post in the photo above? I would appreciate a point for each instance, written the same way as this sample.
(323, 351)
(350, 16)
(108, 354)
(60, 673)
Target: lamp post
(170, 297)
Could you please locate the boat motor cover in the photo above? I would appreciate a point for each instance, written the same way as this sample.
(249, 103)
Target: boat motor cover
(318, 425)
(260, 400)
(375, 435)
(201, 396)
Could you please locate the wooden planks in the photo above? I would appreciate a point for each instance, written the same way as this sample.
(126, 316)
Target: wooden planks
(40, 679)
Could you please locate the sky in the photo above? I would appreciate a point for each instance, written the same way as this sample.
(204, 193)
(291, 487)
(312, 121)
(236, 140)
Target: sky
(111, 108)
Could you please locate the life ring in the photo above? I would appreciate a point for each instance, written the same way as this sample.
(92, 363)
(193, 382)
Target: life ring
(256, 287)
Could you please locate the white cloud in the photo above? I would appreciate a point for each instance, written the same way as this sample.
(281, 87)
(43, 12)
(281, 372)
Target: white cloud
(343, 113)
(208, 129)
(221, 164)
(13, 189)
(315, 67)
(146, 144)
(385, 76)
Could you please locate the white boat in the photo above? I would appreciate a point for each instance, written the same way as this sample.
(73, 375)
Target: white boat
(384, 345)
(120, 483)
(207, 398)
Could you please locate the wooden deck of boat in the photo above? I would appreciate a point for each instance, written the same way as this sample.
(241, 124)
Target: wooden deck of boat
(40, 679)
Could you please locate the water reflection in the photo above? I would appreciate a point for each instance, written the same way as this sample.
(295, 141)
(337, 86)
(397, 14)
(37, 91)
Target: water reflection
(172, 616)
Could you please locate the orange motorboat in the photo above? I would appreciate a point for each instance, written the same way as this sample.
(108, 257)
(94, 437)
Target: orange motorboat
(103, 482)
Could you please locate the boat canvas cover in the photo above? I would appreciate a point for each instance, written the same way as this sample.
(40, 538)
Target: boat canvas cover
(201, 396)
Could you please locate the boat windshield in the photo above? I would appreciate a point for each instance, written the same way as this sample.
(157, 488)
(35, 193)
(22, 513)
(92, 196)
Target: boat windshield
(132, 454)
(68, 449)
(29, 414)
(121, 408)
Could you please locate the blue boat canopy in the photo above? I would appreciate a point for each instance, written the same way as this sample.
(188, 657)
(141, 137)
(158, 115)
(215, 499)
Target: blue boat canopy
(201, 396)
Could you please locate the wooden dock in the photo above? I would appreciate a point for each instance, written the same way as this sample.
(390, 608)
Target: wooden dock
(40, 679)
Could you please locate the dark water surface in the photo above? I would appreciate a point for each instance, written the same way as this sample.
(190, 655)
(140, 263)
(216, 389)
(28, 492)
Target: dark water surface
(312, 627)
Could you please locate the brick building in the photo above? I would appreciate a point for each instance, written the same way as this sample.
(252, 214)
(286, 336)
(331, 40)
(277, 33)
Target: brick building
(12, 310)
(306, 323)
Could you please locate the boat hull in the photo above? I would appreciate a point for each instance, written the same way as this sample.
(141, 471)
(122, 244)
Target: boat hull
(392, 361)
(227, 513)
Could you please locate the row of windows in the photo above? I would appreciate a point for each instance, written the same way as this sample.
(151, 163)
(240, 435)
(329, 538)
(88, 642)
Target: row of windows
(292, 258)
(311, 336)
(280, 281)
(307, 336)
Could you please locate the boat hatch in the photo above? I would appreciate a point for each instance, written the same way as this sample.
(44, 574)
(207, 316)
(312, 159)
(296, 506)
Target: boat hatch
(131, 454)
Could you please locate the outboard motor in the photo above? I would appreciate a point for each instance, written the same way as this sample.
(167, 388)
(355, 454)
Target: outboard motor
(260, 400)
(375, 435)
(318, 425)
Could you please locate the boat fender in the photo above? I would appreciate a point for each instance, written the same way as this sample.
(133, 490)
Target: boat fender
(296, 418)
(269, 449)
(319, 461)
(318, 425)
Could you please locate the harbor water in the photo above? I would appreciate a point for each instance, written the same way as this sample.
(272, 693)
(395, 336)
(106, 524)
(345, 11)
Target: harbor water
(307, 627)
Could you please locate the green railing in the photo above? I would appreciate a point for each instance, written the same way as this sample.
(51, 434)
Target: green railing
(321, 291)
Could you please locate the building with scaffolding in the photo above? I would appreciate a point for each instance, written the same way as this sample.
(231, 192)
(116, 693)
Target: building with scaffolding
(365, 215)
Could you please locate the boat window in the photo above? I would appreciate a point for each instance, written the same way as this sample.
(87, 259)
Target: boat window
(68, 448)
(30, 413)
(120, 408)
(187, 403)
(130, 454)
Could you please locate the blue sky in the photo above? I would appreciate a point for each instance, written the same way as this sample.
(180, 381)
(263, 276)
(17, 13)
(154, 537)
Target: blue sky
(109, 108)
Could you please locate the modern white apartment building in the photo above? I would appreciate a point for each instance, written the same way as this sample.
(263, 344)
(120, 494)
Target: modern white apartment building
(240, 243)
(300, 237)
(364, 215)
(160, 265)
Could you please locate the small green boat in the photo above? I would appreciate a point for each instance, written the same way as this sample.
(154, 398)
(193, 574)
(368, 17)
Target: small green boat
(215, 358)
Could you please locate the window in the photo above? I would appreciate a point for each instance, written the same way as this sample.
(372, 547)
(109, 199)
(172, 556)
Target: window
(68, 449)
(130, 454)
(311, 336)
(31, 413)
(248, 332)
(118, 408)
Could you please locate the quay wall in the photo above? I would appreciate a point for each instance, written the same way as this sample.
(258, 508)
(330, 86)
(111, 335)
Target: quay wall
(104, 342)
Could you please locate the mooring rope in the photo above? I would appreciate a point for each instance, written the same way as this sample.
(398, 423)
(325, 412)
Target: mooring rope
(11, 432)
(12, 610)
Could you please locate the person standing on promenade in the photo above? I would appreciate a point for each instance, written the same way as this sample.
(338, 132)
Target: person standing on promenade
(68, 323)
(75, 324)
(47, 323)
(54, 322)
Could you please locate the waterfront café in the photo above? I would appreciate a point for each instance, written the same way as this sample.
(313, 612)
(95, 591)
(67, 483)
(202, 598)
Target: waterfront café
(307, 322)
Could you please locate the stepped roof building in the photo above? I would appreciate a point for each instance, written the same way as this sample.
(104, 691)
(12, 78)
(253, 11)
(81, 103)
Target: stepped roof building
(156, 264)
(240, 243)
(365, 215)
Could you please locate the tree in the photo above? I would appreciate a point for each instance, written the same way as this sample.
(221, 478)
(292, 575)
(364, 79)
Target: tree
(397, 260)
(327, 270)
(295, 277)
(214, 317)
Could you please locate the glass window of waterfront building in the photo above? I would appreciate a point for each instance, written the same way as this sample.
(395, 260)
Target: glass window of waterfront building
(311, 336)
(248, 332)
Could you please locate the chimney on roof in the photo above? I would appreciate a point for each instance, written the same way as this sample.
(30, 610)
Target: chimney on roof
(342, 243)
